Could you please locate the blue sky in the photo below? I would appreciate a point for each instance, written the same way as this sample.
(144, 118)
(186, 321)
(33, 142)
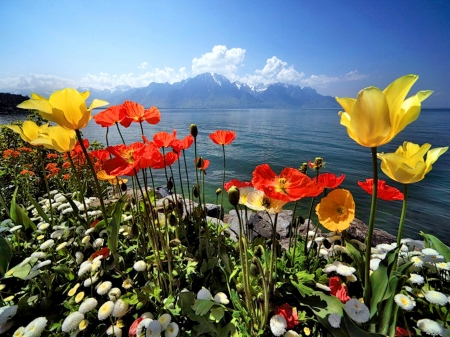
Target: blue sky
(336, 47)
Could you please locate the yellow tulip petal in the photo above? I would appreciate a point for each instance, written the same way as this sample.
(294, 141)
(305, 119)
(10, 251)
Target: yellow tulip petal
(396, 91)
(96, 103)
(434, 154)
(346, 103)
(64, 140)
(69, 108)
(370, 121)
(36, 96)
(85, 94)
(30, 129)
(102, 175)
(41, 105)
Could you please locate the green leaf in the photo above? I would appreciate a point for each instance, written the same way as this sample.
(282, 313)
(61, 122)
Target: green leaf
(20, 271)
(6, 254)
(216, 314)
(433, 242)
(202, 307)
(187, 300)
(354, 331)
(113, 228)
(19, 215)
(303, 277)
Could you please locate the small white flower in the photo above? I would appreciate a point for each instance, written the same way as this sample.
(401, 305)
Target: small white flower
(331, 267)
(6, 313)
(416, 279)
(345, 270)
(278, 325)
(291, 333)
(204, 294)
(43, 226)
(351, 278)
(221, 298)
(85, 267)
(47, 244)
(357, 311)
(140, 266)
(443, 266)
(71, 322)
(143, 325)
(36, 327)
(41, 264)
(83, 324)
(86, 239)
(98, 243)
(13, 229)
(79, 297)
(114, 294)
(105, 310)
(58, 234)
(61, 245)
(164, 320)
(19, 332)
(38, 255)
(436, 297)
(90, 280)
(147, 314)
(89, 304)
(430, 251)
(430, 327)
(73, 290)
(126, 284)
(172, 330)
(154, 329)
(114, 330)
(104, 287)
(404, 302)
(374, 264)
(323, 287)
(334, 320)
(120, 308)
(79, 257)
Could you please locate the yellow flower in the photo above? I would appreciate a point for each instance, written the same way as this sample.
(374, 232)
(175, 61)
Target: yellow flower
(258, 201)
(65, 107)
(376, 117)
(56, 138)
(29, 130)
(407, 164)
(337, 210)
(113, 180)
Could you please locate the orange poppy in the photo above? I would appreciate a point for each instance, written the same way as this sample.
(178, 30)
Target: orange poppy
(114, 114)
(384, 192)
(337, 210)
(183, 144)
(126, 159)
(290, 185)
(201, 163)
(237, 183)
(329, 180)
(135, 112)
(104, 253)
(223, 137)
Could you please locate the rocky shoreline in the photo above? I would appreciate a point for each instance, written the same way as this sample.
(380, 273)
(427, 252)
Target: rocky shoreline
(9, 102)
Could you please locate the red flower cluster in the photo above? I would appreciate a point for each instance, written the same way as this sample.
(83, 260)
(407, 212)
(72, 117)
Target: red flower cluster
(126, 113)
(10, 153)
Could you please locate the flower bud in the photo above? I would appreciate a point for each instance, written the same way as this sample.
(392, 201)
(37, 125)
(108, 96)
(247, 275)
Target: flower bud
(170, 183)
(318, 163)
(304, 168)
(195, 191)
(194, 130)
(234, 195)
(199, 163)
(218, 191)
(123, 187)
(172, 219)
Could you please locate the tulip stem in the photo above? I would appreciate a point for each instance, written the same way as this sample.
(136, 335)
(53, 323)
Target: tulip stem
(402, 217)
(373, 207)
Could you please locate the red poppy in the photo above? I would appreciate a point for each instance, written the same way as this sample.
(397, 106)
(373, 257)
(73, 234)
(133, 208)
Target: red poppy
(289, 313)
(384, 192)
(94, 223)
(167, 160)
(77, 149)
(201, 163)
(290, 185)
(100, 154)
(104, 253)
(153, 158)
(400, 332)
(135, 112)
(126, 159)
(179, 145)
(114, 114)
(164, 139)
(222, 137)
(338, 289)
(329, 180)
(237, 183)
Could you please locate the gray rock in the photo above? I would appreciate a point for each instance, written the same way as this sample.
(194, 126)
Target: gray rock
(358, 231)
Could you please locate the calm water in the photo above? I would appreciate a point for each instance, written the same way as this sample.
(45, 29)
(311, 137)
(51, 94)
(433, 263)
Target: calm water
(284, 138)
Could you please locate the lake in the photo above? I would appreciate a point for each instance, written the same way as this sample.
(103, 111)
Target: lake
(287, 138)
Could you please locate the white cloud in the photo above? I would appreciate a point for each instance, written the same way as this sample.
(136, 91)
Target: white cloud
(107, 81)
(143, 65)
(220, 60)
(39, 83)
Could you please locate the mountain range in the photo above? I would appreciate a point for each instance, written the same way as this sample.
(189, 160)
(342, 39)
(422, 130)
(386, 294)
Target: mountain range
(213, 91)
(205, 91)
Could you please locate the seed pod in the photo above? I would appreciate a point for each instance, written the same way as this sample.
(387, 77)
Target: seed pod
(234, 195)
(194, 130)
(195, 191)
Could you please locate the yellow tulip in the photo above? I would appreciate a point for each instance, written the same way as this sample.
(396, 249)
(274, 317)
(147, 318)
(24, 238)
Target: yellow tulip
(114, 180)
(65, 107)
(29, 130)
(407, 164)
(57, 138)
(376, 117)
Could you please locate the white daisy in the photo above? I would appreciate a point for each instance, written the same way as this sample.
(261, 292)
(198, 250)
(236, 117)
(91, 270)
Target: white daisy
(429, 251)
(357, 311)
(126, 284)
(171, 330)
(98, 243)
(436, 297)
(7, 312)
(36, 327)
(79, 297)
(104, 287)
(278, 325)
(105, 310)
(416, 279)
(331, 267)
(417, 262)
(164, 320)
(114, 294)
(153, 329)
(89, 304)
(334, 320)
(47, 244)
(114, 330)
(83, 324)
(439, 266)
(38, 255)
(345, 270)
(147, 314)
(85, 267)
(19, 332)
(404, 302)
(79, 257)
(140, 266)
(73, 290)
(143, 325)
(204, 294)
(351, 278)
(430, 327)
(71, 322)
(221, 298)
(43, 226)
(120, 308)
(374, 264)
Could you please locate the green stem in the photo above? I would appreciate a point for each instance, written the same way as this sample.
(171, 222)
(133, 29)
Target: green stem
(47, 187)
(402, 217)
(373, 207)
(273, 255)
